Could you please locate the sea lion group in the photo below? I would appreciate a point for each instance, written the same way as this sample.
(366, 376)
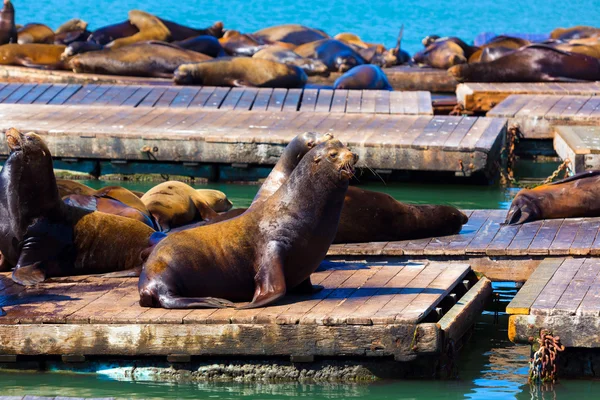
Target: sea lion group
(173, 234)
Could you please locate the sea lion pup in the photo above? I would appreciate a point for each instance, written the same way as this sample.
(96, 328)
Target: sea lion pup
(174, 204)
(573, 197)
(338, 56)
(153, 59)
(44, 237)
(291, 33)
(285, 56)
(35, 33)
(534, 63)
(241, 71)
(150, 28)
(8, 29)
(363, 77)
(204, 44)
(576, 32)
(261, 254)
(33, 54)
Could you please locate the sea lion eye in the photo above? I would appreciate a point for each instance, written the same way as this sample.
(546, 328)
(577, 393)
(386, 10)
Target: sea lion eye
(333, 154)
(310, 144)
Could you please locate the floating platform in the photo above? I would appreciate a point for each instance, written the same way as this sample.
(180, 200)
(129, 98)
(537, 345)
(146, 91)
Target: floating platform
(220, 98)
(462, 146)
(538, 115)
(402, 77)
(403, 311)
(500, 252)
(482, 97)
(580, 145)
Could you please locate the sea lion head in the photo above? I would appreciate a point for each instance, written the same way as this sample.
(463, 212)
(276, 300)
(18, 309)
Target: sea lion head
(28, 145)
(334, 160)
(427, 40)
(345, 62)
(185, 74)
(459, 71)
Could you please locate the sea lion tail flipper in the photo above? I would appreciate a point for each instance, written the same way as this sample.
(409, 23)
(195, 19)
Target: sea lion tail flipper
(241, 83)
(28, 62)
(29, 275)
(520, 212)
(270, 278)
(128, 273)
(176, 302)
(204, 209)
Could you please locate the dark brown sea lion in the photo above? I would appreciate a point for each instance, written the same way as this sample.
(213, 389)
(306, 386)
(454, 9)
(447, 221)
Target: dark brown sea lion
(573, 197)
(181, 32)
(150, 28)
(295, 34)
(261, 254)
(505, 43)
(491, 53)
(154, 59)
(285, 56)
(241, 71)
(363, 77)
(238, 44)
(44, 237)
(338, 56)
(71, 31)
(534, 63)
(36, 33)
(576, 32)
(110, 33)
(8, 29)
(174, 204)
(204, 44)
(441, 54)
(31, 54)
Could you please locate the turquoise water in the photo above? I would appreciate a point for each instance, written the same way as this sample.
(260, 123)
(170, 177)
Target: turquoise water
(374, 20)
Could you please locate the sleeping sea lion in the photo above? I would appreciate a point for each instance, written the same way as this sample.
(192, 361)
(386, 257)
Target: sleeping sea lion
(576, 32)
(154, 59)
(8, 29)
(291, 33)
(285, 56)
(181, 32)
(534, 63)
(31, 54)
(363, 77)
(35, 33)
(504, 43)
(261, 254)
(150, 28)
(204, 44)
(441, 54)
(574, 197)
(71, 31)
(338, 56)
(241, 71)
(110, 33)
(237, 44)
(67, 187)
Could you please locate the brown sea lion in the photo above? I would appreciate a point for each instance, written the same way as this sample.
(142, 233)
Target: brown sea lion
(534, 63)
(71, 31)
(204, 44)
(110, 33)
(363, 77)
(8, 29)
(154, 59)
(292, 33)
(150, 28)
(181, 32)
(261, 254)
(285, 56)
(71, 25)
(441, 54)
(241, 71)
(174, 204)
(31, 54)
(573, 197)
(576, 32)
(588, 50)
(239, 44)
(36, 33)
(67, 187)
(108, 205)
(338, 56)
(44, 237)
(505, 43)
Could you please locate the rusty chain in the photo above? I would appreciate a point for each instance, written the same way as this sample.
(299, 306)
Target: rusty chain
(562, 167)
(543, 363)
(149, 152)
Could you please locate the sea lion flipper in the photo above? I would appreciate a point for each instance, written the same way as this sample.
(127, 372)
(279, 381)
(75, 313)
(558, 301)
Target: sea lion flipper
(241, 83)
(204, 209)
(176, 302)
(270, 278)
(29, 275)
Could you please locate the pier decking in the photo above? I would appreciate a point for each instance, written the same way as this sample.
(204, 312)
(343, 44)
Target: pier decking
(482, 97)
(538, 115)
(457, 145)
(404, 311)
(580, 145)
(221, 98)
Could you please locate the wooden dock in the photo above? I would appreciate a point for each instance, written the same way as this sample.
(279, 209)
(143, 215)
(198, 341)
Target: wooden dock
(482, 97)
(500, 252)
(538, 115)
(220, 98)
(400, 311)
(402, 77)
(563, 296)
(580, 145)
(456, 145)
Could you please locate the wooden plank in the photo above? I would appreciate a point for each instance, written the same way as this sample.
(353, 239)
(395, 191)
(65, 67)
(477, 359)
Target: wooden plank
(368, 101)
(459, 243)
(338, 104)
(486, 233)
(590, 305)
(292, 100)
(67, 93)
(277, 100)
(323, 101)
(94, 95)
(436, 132)
(49, 94)
(8, 90)
(217, 97)
(475, 133)
(152, 97)
(424, 103)
(523, 238)
(397, 102)
(459, 133)
(565, 236)
(113, 96)
(382, 102)
(525, 297)
(557, 285)
(233, 97)
(137, 97)
(545, 236)
(353, 101)
(410, 102)
(185, 97)
(202, 97)
(247, 99)
(262, 99)
(34, 94)
(509, 107)
(585, 237)
(571, 299)
(494, 132)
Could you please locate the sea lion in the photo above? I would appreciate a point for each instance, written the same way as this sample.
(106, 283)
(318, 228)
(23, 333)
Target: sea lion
(241, 71)
(174, 204)
(44, 237)
(204, 44)
(35, 33)
(534, 63)
(505, 44)
(31, 54)
(588, 50)
(181, 32)
(150, 28)
(110, 33)
(576, 32)
(67, 187)
(261, 254)
(573, 197)
(285, 56)
(154, 59)
(74, 24)
(441, 54)
(363, 77)
(79, 47)
(291, 33)
(238, 44)
(8, 29)
(338, 56)
(71, 31)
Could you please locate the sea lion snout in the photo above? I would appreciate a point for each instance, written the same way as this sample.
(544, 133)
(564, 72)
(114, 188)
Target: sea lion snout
(14, 139)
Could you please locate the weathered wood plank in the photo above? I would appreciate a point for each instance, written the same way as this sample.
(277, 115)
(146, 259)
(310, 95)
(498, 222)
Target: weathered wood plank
(523, 238)
(565, 236)
(338, 104)
(545, 236)
(546, 301)
(525, 297)
(486, 233)
(571, 299)
(309, 100)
